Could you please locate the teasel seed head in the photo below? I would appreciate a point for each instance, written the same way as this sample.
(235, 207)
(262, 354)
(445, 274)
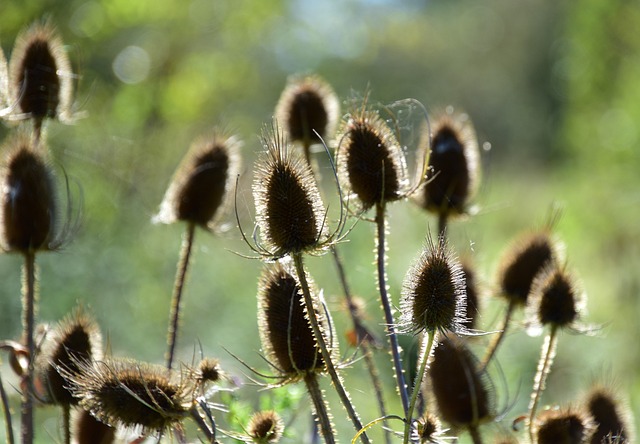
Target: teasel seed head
(265, 427)
(433, 294)
(202, 187)
(73, 340)
(308, 104)
(135, 395)
(522, 261)
(610, 415)
(286, 335)
(40, 74)
(429, 430)
(209, 370)
(566, 426)
(88, 430)
(28, 213)
(454, 166)
(370, 161)
(289, 210)
(464, 394)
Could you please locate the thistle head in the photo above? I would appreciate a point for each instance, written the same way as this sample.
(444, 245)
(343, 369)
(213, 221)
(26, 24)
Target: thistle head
(202, 186)
(308, 105)
(433, 293)
(570, 426)
(611, 416)
(265, 427)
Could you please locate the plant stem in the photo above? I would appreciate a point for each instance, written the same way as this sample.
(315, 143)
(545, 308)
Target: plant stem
(320, 408)
(7, 413)
(202, 425)
(498, 339)
(476, 438)
(326, 356)
(386, 306)
(181, 274)
(28, 325)
(427, 345)
(547, 354)
(443, 217)
(66, 420)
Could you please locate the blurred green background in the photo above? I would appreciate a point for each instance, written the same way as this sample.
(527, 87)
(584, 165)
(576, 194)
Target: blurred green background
(553, 89)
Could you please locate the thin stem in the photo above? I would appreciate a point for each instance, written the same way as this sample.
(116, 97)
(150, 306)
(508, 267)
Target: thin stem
(66, 420)
(498, 338)
(320, 408)
(181, 274)
(326, 356)
(427, 345)
(547, 354)
(202, 425)
(28, 324)
(386, 306)
(443, 218)
(7, 413)
(476, 438)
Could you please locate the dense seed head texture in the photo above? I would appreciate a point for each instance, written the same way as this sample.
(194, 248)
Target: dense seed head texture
(202, 187)
(611, 417)
(308, 105)
(265, 427)
(289, 210)
(370, 161)
(558, 426)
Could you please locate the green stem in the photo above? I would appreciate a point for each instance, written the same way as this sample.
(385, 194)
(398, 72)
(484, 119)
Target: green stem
(320, 408)
(181, 274)
(7, 413)
(326, 356)
(386, 306)
(498, 339)
(66, 419)
(28, 325)
(547, 354)
(427, 345)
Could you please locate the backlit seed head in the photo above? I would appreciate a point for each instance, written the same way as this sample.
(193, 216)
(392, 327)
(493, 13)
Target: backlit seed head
(286, 335)
(209, 370)
(75, 339)
(611, 416)
(88, 430)
(40, 74)
(289, 210)
(433, 293)
(463, 393)
(429, 429)
(202, 186)
(28, 212)
(522, 261)
(308, 104)
(454, 166)
(554, 299)
(134, 395)
(370, 161)
(265, 427)
(566, 426)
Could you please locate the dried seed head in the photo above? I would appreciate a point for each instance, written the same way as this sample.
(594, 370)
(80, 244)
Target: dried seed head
(202, 186)
(463, 394)
(308, 104)
(40, 74)
(209, 370)
(454, 166)
(131, 394)
(265, 427)
(569, 426)
(430, 429)
(88, 430)
(285, 332)
(611, 417)
(75, 339)
(370, 162)
(554, 299)
(289, 210)
(28, 201)
(433, 293)
(522, 261)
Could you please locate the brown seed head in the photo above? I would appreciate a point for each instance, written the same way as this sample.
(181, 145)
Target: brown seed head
(370, 162)
(429, 429)
(611, 417)
(202, 186)
(209, 370)
(40, 74)
(265, 427)
(569, 426)
(308, 104)
(463, 394)
(433, 293)
(28, 199)
(73, 340)
(88, 430)
(289, 210)
(286, 335)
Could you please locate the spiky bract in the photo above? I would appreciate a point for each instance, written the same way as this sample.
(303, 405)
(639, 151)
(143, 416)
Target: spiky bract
(265, 427)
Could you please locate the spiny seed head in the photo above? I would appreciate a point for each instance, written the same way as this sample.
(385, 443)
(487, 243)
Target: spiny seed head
(286, 335)
(131, 394)
(554, 299)
(454, 166)
(610, 415)
(265, 427)
(472, 293)
(429, 429)
(370, 161)
(463, 394)
(40, 74)
(433, 293)
(563, 426)
(28, 212)
(308, 104)
(289, 210)
(88, 430)
(202, 186)
(75, 339)
(522, 261)
(209, 370)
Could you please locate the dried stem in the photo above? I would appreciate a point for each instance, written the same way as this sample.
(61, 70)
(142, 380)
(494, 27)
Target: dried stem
(498, 338)
(320, 408)
(547, 354)
(66, 423)
(427, 345)
(7, 413)
(28, 325)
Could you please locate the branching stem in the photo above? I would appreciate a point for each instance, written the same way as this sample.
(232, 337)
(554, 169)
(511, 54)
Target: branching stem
(28, 325)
